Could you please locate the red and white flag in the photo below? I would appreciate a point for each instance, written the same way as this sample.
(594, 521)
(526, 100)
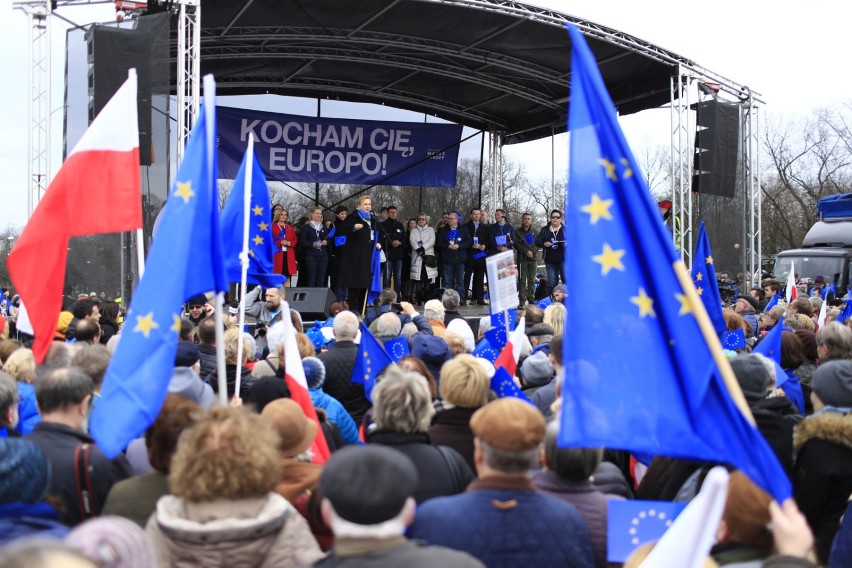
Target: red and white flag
(508, 358)
(791, 293)
(294, 374)
(97, 190)
(823, 312)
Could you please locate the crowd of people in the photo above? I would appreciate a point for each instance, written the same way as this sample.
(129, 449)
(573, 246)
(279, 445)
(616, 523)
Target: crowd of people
(429, 468)
(417, 258)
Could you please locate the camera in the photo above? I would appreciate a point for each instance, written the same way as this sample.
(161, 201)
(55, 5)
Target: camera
(396, 307)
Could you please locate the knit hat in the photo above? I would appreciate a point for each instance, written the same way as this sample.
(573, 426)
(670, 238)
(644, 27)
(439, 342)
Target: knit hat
(197, 300)
(296, 430)
(113, 542)
(537, 370)
(832, 383)
(819, 279)
(24, 471)
(752, 375)
(62, 325)
(540, 329)
(561, 288)
(314, 372)
(368, 485)
(509, 424)
(265, 390)
(187, 354)
(665, 204)
(187, 384)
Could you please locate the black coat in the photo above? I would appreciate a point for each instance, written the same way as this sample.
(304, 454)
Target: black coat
(495, 230)
(451, 428)
(339, 362)
(776, 417)
(393, 231)
(59, 443)
(478, 235)
(442, 242)
(308, 236)
(552, 255)
(357, 253)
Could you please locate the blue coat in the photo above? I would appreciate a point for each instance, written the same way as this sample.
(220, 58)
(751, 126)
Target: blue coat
(23, 520)
(505, 522)
(28, 415)
(337, 414)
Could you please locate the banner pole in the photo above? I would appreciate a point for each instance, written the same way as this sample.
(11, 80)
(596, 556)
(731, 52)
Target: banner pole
(244, 258)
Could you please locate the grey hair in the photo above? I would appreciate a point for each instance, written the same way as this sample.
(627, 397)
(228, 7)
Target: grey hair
(275, 337)
(57, 389)
(573, 464)
(484, 325)
(769, 364)
(345, 326)
(508, 462)
(402, 402)
(388, 325)
(838, 338)
(252, 345)
(409, 330)
(8, 393)
(434, 310)
(450, 299)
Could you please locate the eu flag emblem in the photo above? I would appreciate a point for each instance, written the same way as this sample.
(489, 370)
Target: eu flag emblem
(630, 524)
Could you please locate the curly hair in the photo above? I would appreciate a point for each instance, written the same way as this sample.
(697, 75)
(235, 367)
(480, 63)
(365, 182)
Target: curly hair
(21, 365)
(176, 415)
(401, 402)
(229, 454)
(232, 337)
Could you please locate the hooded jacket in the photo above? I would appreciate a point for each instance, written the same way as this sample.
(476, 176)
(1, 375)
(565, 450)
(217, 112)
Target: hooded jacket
(255, 532)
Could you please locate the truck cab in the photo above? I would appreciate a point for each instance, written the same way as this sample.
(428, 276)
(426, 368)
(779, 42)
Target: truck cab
(827, 248)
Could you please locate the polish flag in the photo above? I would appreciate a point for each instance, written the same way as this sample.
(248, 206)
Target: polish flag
(508, 358)
(294, 374)
(97, 190)
(791, 293)
(823, 310)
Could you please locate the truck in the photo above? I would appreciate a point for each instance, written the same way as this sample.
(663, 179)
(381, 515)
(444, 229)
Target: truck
(826, 249)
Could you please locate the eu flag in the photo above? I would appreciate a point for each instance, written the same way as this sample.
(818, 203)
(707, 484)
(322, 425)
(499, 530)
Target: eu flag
(773, 302)
(640, 373)
(503, 386)
(630, 524)
(370, 362)
(376, 268)
(185, 259)
(733, 340)
(770, 347)
(397, 348)
(846, 313)
(704, 277)
(261, 247)
(484, 350)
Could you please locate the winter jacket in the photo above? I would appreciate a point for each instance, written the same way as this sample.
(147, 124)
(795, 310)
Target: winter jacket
(503, 521)
(136, 498)
(339, 362)
(258, 532)
(443, 241)
(59, 443)
(422, 241)
(256, 307)
(822, 481)
(392, 230)
(396, 551)
(440, 472)
(28, 520)
(337, 415)
(552, 255)
(207, 359)
(497, 231)
(841, 551)
(776, 417)
(589, 502)
(28, 415)
(451, 428)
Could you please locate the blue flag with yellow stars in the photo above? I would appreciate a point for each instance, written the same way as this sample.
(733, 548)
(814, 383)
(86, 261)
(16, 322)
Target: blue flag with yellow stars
(185, 259)
(733, 340)
(484, 350)
(773, 302)
(504, 386)
(261, 247)
(704, 277)
(846, 313)
(633, 523)
(640, 373)
(370, 362)
(397, 348)
(770, 347)
(376, 269)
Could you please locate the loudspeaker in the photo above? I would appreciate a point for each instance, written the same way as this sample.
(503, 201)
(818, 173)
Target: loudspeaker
(717, 150)
(312, 303)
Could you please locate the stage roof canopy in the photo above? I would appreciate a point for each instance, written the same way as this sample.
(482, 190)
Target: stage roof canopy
(488, 64)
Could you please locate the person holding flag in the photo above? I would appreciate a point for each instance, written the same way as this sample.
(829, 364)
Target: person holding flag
(313, 238)
(453, 242)
(357, 272)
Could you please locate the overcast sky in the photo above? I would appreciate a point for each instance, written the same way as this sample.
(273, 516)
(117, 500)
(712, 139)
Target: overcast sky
(796, 57)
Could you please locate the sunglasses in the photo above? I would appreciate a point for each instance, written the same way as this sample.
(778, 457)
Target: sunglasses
(196, 307)
(555, 217)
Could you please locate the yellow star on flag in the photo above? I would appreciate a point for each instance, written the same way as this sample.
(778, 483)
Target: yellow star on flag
(645, 303)
(598, 209)
(610, 169)
(628, 171)
(685, 306)
(257, 210)
(263, 226)
(609, 259)
(258, 240)
(709, 260)
(184, 191)
(145, 324)
(176, 321)
(700, 290)
(699, 277)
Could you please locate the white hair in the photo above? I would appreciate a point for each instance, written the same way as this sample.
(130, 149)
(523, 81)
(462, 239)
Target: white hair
(345, 326)
(275, 338)
(388, 325)
(387, 529)
(434, 310)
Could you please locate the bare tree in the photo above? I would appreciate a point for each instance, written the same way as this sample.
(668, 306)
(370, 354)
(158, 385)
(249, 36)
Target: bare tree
(8, 236)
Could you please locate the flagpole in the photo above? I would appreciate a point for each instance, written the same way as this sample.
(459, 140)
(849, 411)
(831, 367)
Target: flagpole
(712, 340)
(221, 373)
(244, 258)
(140, 251)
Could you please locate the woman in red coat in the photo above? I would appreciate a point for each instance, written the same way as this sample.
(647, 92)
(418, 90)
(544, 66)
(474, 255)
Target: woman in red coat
(284, 237)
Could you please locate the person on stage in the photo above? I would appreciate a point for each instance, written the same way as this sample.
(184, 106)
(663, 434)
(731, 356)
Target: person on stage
(284, 237)
(551, 239)
(424, 264)
(336, 251)
(360, 229)
(313, 240)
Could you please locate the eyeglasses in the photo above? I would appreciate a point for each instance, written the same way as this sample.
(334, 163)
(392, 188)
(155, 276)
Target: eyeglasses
(555, 217)
(195, 307)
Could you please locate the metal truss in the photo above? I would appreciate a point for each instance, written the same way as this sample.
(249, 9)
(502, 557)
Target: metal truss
(38, 100)
(188, 70)
(750, 148)
(681, 164)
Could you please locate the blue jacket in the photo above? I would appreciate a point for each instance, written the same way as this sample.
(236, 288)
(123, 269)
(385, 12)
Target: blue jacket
(505, 522)
(793, 390)
(337, 414)
(28, 415)
(22, 520)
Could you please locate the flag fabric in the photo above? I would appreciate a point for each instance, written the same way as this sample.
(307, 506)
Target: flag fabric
(498, 335)
(371, 361)
(704, 277)
(640, 374)
(688, 541)
(297, 384)
(846, 313)
(511, 353)
(772, 302)
(261, 247)
(498, 319)
(830, 289)
(733, 340)
(484, 350)
(97, 190)
(397, 348)
(770, 347)
(823, 312)
(376, 268)
(544, 302)
(632, 523)
(185, 260)
(790, 292)
(504, 386)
